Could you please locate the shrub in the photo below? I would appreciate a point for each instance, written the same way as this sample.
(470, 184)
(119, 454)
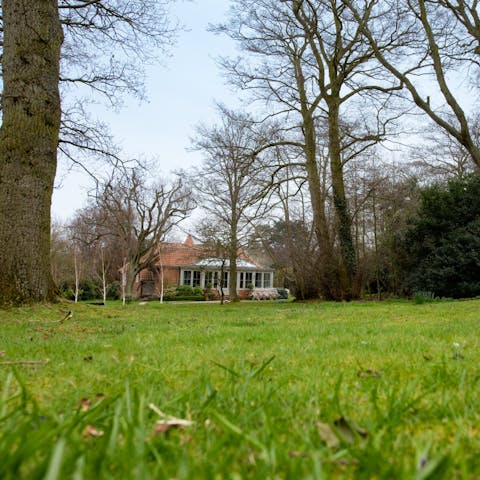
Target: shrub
(184, 290)
(264, 294)
(114, 291)
(198, 291)
(421, 297)
(68, 294)
(443, 241)
(184, 293)
(188, 298)
(88, 290)
(169, 293)
(282, 293)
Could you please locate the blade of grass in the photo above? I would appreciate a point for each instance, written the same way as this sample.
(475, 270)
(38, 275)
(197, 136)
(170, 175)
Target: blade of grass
(6, 389)
(55, 465)
(237, 430)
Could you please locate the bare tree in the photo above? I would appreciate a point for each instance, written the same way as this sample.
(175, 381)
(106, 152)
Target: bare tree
(289, 240)
(139, 214)
(276, 71)
(216, 242)
(33, 33)
(61, 257)
(107, 45)
(313, 65)
(438, 156)
(230, 184)
(434, 39)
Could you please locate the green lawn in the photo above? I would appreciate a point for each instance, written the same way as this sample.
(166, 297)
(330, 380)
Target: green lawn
(274, 390)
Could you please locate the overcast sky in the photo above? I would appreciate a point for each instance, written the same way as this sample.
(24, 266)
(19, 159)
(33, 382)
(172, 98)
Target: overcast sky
(181, 94)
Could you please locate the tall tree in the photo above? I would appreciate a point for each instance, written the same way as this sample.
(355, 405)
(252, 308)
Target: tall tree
(230, 184)
(439, 156)
(276, 71)
(107, 45)
(100, 38)
(138, 214)
(435, 38)
(310, 59)
(28, 147)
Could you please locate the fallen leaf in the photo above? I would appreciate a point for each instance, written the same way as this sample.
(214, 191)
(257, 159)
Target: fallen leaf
(161, 428)
(168, 421)
(328, 436)
(84, 404)
(99, 396)
(428, 357)
(296, 454)
(184, 439)
(164, 425)
(348, 430)
(91, 431)
(369, 373)
(345, 462)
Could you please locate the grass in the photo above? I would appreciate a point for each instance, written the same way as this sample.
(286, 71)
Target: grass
(274, 390)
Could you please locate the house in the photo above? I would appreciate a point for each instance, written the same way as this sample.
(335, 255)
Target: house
(192, 264)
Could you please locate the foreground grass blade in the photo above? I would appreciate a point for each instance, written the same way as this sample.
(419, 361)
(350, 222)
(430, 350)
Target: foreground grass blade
(55, 465)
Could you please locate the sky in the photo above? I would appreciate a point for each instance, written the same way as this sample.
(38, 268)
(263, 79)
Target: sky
(181, 93)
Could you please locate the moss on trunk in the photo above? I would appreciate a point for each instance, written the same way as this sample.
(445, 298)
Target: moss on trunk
(28, 147)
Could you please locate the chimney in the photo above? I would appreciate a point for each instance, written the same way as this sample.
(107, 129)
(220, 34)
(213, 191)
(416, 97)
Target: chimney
(188, 241)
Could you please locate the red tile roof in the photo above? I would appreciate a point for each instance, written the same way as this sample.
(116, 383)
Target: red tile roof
(179, 254)
(186, 253)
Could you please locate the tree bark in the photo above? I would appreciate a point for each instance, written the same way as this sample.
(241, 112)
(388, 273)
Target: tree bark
(344, 221)
(317, 194)
(233, 254)
(28, 147)
(326, 270)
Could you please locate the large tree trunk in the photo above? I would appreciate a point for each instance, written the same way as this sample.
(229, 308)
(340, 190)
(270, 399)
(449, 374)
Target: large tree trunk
(28, 147)
(326, 271)
(348, 257)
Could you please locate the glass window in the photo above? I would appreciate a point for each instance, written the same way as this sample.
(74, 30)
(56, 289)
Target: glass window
(242, 280)
(208, 279)
(258, 280)
(225, 280)
(266, 280)
(248, 279)
(215, 279)
(196, 278)
(187, 277)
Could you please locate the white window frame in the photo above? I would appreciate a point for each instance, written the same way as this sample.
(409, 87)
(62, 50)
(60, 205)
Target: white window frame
(184, 277)
(196, 278)
(226, 275)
